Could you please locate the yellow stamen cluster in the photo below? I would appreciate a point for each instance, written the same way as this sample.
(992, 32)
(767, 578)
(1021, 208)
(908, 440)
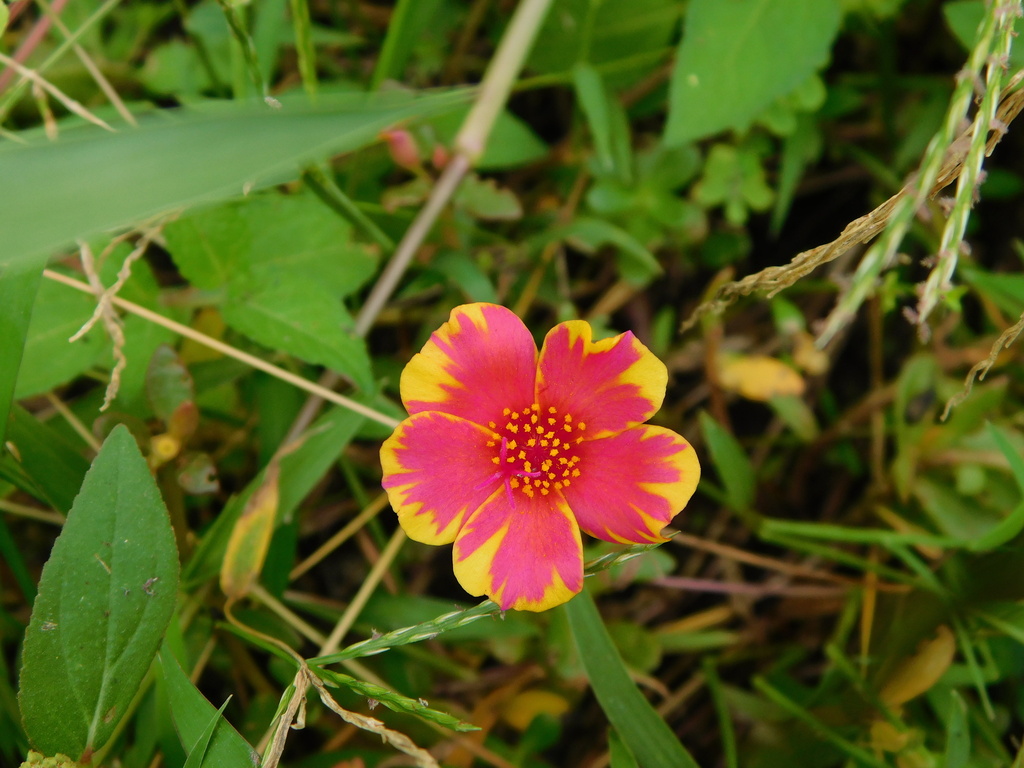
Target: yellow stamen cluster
(538, 453)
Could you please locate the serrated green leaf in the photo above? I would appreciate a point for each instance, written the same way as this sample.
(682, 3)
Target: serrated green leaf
(736, 57)
(303, 318)
(178, 159)
(105, 598)
(731, 464)
(18, 289)
(642, 729)
(192, 714)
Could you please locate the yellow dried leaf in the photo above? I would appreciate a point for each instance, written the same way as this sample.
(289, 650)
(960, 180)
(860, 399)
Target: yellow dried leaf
(523, 707)
(250, 538)
(919, 672)
(758, 377)
(806, 354)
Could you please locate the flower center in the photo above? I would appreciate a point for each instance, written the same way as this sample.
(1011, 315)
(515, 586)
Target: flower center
(535, 450)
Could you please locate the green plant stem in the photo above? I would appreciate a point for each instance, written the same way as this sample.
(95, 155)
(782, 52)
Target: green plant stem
(940, 277)
(324, 187)
(304, 46)
(469, 146)
(881, 253)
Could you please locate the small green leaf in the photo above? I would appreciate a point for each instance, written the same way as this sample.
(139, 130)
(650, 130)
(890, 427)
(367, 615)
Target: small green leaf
(1010, 526)
(303, 318)
(105, 598)
(168, 383)
(642, 729)
(192, 714)
(484, 199)
(736, 57)
(731, 463)
(608, 123)
(958, 733)
(18, 289)
(197, 755)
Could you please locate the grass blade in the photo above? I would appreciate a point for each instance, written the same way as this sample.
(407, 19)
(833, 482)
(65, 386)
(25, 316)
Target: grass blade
(648, 736)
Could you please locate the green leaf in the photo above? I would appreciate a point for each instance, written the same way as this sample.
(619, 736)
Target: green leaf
(588, 234)
(91, 180)
(965, 16)
(4, 15)
(197, 755)
(609, 124)
(1010, 526)
(46, 465)
(642, 729)
(484, 199)
(410, 20)
(50, 359)
(192, 714)
(301, 470)
(269, 234)
(584, 31)
(18, 290)
(512, 142)
(731, 463)
(736, 57)
(105, 598)
(958, 733)
(303, 318)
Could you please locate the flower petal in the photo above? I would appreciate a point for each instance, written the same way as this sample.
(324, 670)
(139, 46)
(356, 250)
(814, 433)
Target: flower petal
(434, 467)
(631, 485)
(478, 363)
(610, 385)
(528, 557)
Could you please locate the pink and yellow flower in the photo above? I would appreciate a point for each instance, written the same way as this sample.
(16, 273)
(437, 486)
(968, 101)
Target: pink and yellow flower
(509, 454)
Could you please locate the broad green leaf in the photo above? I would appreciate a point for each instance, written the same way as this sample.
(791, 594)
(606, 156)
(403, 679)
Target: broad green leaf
(642, 729)
(303, 318)
(731, 464)
(18, 290)
(736, 57)
(50, 359)
(192, 714)
(105, 598)
(269, 234)
(91, 180)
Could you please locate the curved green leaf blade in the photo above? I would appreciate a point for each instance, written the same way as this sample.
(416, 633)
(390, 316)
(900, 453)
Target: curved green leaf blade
(641, 728)
(92, 181)
(192, 714)
(736, 57)
(18, 290)
(105, 598)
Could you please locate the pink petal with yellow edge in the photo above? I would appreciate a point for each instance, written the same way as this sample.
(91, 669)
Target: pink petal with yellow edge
(527, 557)
(609, 385)
(435, 472)
(631, 485)
(480, 362)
